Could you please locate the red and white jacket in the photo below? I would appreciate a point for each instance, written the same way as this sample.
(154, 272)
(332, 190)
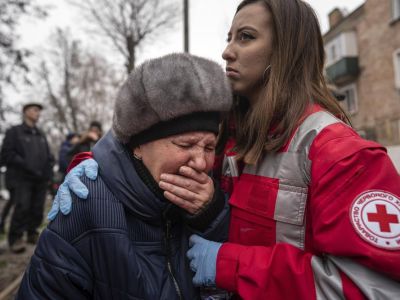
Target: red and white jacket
(318, 220)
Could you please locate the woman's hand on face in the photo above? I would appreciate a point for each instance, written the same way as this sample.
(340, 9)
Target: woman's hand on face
(190, 189)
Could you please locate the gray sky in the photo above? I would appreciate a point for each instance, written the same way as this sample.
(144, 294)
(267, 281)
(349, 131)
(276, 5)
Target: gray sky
(209, 23)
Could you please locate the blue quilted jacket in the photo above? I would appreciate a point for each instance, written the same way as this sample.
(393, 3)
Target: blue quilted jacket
(123, 242)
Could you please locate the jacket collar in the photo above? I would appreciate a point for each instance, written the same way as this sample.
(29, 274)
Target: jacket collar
(117, 170)
(29, 129)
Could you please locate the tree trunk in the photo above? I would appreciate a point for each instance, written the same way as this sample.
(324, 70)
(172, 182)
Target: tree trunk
(131, 47)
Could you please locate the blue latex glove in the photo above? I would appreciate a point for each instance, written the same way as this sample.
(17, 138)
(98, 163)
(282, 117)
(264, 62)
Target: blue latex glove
(63, 199)
(203, 260)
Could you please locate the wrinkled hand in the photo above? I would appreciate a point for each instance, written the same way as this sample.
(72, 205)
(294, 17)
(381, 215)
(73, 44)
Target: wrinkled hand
(63, 199)
(203, 260)
(190, 189)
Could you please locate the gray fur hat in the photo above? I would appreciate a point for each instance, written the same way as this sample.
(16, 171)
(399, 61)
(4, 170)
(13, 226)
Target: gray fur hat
(163, 90)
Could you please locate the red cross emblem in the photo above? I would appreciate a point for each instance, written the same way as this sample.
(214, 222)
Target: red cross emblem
(375, 216)
(383, 218)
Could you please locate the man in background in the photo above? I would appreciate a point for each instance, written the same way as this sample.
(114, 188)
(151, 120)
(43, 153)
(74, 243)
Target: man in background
(29, 163)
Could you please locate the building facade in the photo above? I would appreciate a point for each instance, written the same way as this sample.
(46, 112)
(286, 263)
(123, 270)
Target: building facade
(363, 62)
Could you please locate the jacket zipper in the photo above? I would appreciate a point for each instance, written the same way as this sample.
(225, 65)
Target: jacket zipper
(168, 257)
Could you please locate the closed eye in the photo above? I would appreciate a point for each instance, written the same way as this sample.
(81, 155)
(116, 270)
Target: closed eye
(182, 145)
(209, 148)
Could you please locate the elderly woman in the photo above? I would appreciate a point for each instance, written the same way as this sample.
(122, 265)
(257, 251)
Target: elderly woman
(126, 241)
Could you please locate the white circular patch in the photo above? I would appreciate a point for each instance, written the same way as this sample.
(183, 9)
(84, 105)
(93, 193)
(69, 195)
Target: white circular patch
(375, 216)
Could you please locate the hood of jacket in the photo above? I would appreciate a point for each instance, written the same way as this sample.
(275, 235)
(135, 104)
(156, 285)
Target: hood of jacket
(118, 172)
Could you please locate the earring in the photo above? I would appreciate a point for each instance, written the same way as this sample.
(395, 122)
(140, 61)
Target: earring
(266, 69)
(136, 156)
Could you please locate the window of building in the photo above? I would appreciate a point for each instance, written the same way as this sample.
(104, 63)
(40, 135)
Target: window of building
(333, 50)
(350, 102)
(343, 45)
(333, 53)
(395, 9)
(396, 67)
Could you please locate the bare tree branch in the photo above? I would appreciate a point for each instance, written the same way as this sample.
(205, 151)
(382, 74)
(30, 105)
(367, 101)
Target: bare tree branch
(13, 67)
(55, 102)
(129, 23)
(82, 93)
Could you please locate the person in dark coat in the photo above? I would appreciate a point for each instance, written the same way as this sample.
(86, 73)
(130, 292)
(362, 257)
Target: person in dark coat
(86, 140)
(127, 240)
(63, 155)
(29, 163)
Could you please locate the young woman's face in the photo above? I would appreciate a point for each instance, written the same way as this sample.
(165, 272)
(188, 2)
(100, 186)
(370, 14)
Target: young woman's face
(249, 49)
(167, 155)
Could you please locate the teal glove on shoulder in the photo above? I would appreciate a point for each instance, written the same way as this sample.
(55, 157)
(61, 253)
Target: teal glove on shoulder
(203, 260)
(63, 199)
